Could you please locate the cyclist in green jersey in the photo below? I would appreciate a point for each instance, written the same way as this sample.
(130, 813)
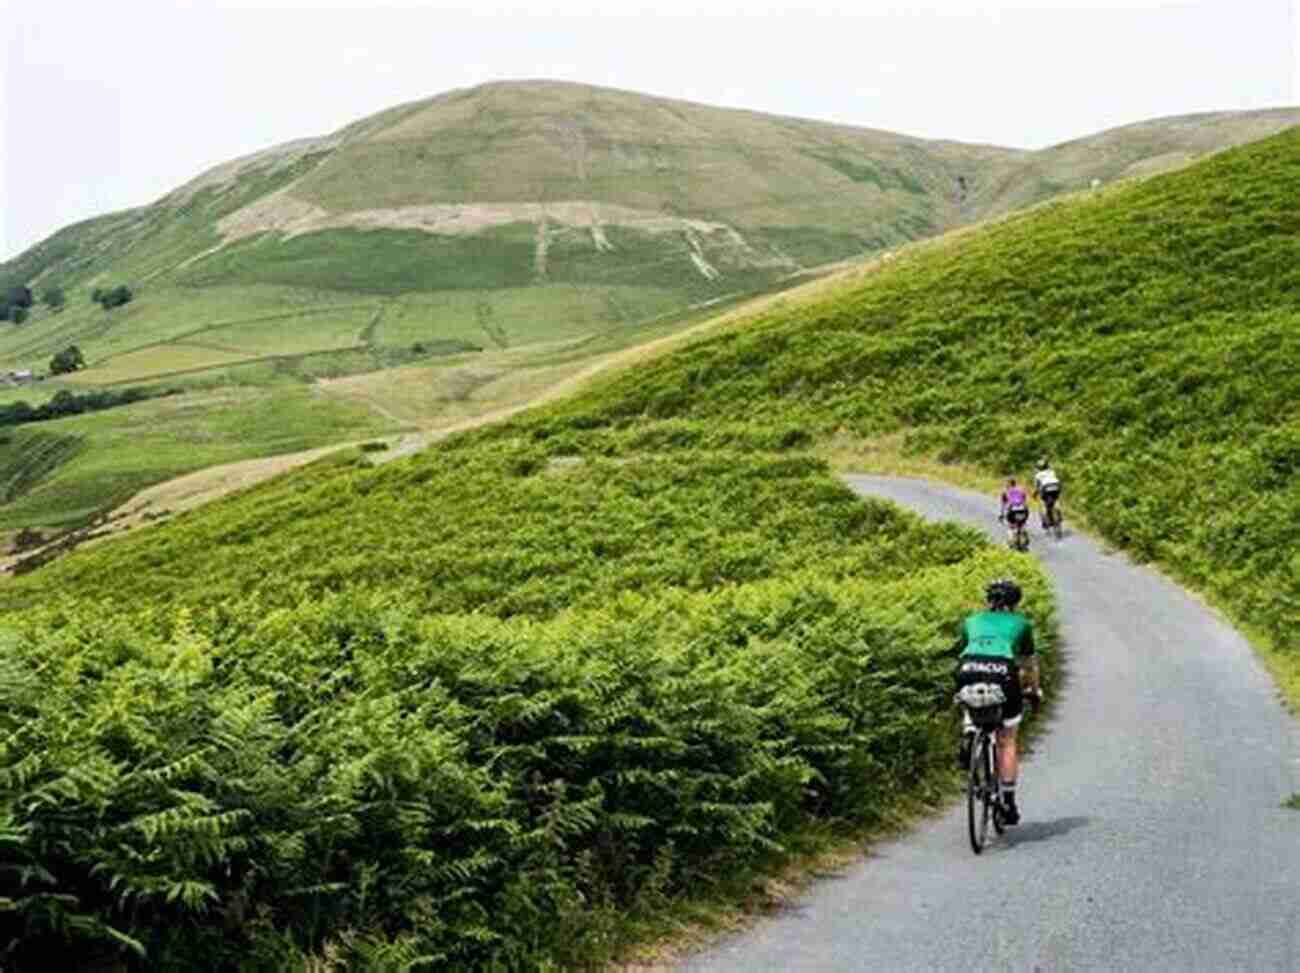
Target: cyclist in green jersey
(990, 644)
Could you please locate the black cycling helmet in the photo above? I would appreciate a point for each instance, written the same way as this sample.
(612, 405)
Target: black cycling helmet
(1003, 593)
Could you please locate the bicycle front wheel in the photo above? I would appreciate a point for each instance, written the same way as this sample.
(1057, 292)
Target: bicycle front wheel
(978, 786)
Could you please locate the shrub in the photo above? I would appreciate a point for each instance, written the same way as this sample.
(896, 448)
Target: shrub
(111, 297)
(68, 360)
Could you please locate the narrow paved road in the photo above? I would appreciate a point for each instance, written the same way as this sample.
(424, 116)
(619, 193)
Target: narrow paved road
(1153, 836)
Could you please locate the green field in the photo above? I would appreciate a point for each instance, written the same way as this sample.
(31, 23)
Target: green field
(421, 364)
(34, 394)
(521, 316)
(128, 448)
(28, 456)
(161, 315)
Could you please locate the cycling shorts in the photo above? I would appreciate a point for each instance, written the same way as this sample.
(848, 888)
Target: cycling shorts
(1051, 493)
(1017, 516)
(996, 669)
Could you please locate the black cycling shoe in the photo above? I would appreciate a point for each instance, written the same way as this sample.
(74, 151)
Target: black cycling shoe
(1010, 813)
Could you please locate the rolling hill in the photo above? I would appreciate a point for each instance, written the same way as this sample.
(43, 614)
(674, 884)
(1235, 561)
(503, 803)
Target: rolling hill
(494, 217)
(502, 214)
(474, 237)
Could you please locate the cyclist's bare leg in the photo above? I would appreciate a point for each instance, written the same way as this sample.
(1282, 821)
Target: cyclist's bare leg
(1008, 764)
(1008, 757)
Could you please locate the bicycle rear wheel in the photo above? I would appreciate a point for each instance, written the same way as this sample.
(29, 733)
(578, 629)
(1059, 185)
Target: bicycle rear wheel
(993, 792)
(977, 793)
(993, 795)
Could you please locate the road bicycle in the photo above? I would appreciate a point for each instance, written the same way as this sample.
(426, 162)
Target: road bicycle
(1017, 518)
(981, 719)
(981, 705)
(1052, 516)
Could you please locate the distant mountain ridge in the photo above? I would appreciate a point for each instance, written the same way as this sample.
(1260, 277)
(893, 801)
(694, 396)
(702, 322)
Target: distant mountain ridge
(1138, 149)
(642, 205)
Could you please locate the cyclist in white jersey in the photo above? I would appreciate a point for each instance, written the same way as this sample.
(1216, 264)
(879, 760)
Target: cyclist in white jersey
(1047, 487)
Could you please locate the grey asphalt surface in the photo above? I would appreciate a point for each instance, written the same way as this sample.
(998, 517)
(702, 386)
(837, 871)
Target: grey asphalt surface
(1153, 836)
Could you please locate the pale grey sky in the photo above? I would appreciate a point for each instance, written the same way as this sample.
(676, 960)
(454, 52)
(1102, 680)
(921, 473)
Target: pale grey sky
(104, 106)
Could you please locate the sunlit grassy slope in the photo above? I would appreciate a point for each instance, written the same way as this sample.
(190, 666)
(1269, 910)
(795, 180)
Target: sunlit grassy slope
(1145, 338)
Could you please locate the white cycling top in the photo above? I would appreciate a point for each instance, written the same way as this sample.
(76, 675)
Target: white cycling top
(1045, 478)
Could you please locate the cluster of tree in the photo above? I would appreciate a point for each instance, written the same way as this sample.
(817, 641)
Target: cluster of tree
(111, 297)
(67, 403)
(15, 303)
(67, 360)
(16, 300)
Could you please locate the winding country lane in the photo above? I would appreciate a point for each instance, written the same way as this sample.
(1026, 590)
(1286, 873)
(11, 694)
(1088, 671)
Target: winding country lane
(1153, 836)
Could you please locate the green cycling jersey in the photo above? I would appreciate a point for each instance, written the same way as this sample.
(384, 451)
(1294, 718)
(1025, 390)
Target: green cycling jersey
(1002, 634)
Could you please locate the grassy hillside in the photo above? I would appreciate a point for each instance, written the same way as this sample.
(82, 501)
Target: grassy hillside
(1141, 149)
(500, 193)
(505, 193)
(1145, 338)
(507, 217)
(503, 701)
(120, 451)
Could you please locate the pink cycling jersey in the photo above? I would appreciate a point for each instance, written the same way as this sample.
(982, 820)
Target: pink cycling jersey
(1014, 497)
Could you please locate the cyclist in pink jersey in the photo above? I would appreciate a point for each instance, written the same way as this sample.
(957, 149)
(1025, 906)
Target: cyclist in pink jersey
(1015, 509)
